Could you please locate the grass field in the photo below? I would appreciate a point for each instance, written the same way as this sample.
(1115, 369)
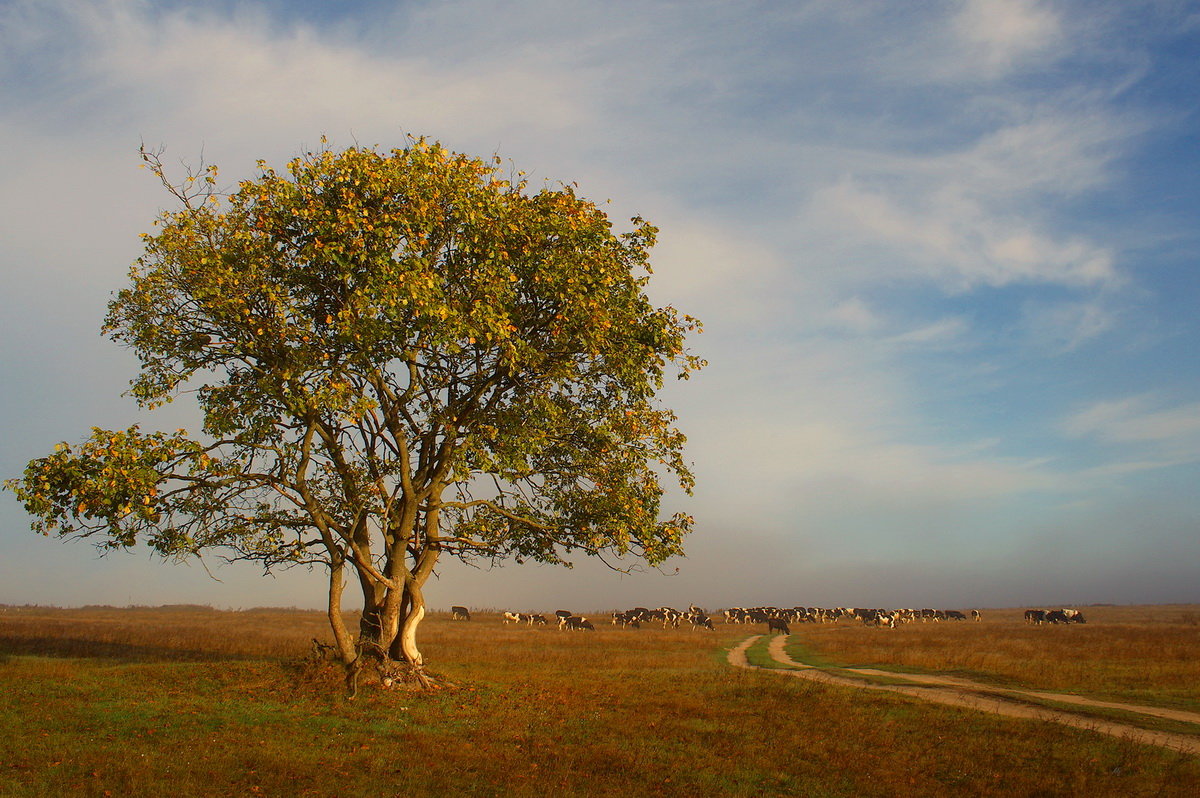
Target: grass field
(193, 701)
(1140, 654)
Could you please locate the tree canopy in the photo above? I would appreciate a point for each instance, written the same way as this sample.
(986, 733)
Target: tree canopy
(397, 355)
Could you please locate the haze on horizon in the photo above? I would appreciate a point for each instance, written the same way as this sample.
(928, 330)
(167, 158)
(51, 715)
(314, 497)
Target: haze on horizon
(945, 255)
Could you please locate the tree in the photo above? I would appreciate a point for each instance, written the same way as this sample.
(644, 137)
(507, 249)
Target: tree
(397, 356)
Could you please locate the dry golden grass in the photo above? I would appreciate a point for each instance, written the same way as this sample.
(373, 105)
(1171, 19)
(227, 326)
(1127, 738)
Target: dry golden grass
(1145, 654)
(200, 702)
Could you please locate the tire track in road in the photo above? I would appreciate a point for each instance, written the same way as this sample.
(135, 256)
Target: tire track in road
(984, 698)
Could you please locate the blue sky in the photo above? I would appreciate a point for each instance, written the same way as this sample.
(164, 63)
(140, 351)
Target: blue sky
(945, 253)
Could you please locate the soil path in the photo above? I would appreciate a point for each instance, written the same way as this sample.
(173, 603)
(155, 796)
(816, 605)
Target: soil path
(985, 698)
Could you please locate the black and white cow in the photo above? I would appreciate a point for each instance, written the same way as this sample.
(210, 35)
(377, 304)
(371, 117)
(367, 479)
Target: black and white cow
(627, 618)
(1064, 616)
(576, 623)
(460, 614)
(1035, 617)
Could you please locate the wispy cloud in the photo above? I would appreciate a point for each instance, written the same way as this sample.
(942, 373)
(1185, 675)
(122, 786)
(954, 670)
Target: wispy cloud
(1138, 419)
(1063, 327)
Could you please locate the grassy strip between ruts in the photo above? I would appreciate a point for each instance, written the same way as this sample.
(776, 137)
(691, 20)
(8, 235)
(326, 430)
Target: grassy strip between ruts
(1148, 656)
(759, 655)
(807, 655)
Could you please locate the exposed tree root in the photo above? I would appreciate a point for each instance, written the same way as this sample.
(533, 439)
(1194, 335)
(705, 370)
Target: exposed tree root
(374, 664)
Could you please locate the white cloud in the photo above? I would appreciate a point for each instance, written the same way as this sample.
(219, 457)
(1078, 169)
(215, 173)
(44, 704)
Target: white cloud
(997, 36)
(249, 88)
(981, 42)
(937, 232)
(1051, 153)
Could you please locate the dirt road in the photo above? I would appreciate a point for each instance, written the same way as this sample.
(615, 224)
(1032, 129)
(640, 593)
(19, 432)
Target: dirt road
(957, 692)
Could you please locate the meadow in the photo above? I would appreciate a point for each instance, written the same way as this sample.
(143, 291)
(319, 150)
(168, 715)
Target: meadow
(196, 701)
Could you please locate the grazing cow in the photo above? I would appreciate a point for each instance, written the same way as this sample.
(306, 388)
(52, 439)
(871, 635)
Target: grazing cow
(538, 620)
(1035, 617)
(778, 625)
(460, 614)
(511, 617)
(976, 615)
(1064, 616)
(670, 617)
(700, 620)
(576, 623)
(955, 615)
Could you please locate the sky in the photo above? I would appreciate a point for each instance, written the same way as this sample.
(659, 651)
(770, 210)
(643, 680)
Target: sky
(945, 253)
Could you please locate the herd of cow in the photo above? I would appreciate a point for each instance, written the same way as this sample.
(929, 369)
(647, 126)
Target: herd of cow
(776, 618)
(1038, 617)
(566, 619)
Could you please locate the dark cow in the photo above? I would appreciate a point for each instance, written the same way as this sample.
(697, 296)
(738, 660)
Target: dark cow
(460, 614)
(700, 620)
(576, 623)
(1064, 616)
(627, 618)
(778, 625)
(1036, 617)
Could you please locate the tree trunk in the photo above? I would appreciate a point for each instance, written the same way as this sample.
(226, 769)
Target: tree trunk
(404, 646)
(341, 635)
(370, 622)
(408, 636)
